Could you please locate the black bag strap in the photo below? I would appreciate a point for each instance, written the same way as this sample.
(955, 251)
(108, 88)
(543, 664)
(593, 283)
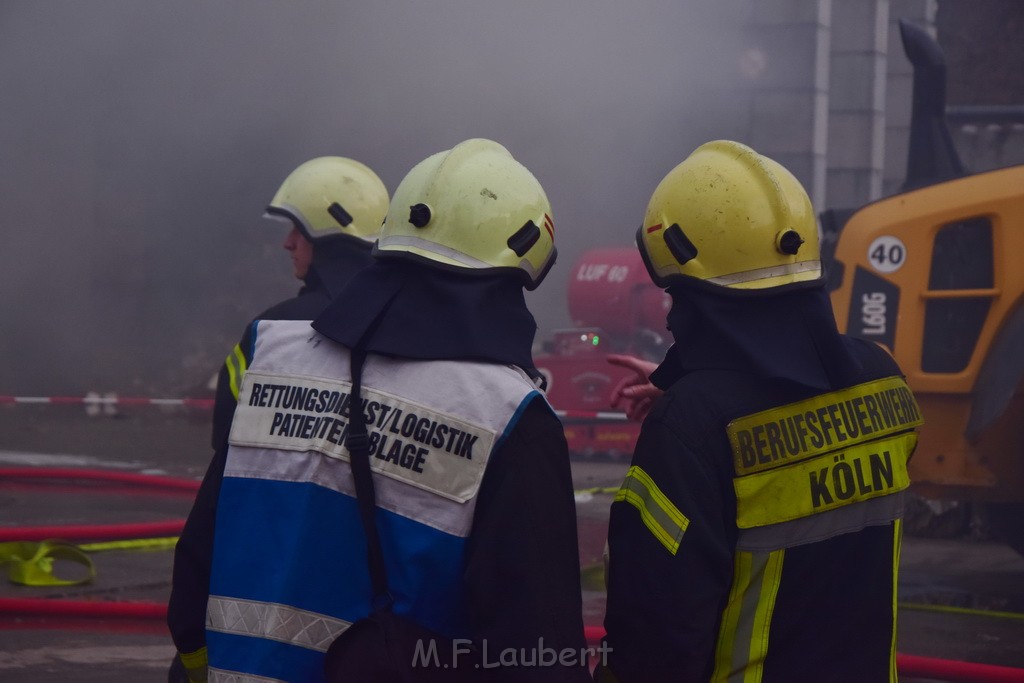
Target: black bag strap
(358, 443)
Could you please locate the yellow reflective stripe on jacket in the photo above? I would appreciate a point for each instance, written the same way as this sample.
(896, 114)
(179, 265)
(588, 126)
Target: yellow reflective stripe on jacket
(743, 637)
(823, 424)
(236, 365)
(830, 481)
(195, 664)
(661, 517)
(897, 542)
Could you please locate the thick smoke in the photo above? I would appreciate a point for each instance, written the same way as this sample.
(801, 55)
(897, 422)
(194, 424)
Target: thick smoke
(139, 143)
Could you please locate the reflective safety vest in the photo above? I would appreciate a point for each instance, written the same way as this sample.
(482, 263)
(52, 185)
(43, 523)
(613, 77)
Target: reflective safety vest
(289, 565)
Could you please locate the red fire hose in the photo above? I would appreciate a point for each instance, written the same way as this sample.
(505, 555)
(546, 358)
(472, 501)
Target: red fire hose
(78, 532)
(161, 482)
(948, 670)
(910, 666)
(76, 609)
(43, 607)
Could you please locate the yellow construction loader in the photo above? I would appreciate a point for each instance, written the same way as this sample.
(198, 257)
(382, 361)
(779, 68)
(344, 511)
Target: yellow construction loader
(935, 274)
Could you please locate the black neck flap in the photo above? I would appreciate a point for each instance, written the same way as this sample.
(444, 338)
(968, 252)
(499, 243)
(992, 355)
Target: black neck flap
(791, 336)
(335, 260)
(433, 314)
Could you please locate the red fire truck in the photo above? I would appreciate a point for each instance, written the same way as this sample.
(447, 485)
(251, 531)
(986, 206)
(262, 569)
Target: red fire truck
(615, 308)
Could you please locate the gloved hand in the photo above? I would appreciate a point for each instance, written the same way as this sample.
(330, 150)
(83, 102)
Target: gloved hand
(178, 672)
(635, 390)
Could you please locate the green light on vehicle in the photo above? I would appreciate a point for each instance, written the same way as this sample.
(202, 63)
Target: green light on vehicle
(596, 340)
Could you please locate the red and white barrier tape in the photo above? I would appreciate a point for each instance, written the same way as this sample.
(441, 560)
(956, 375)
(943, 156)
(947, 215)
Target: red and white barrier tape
(94, 400)
(591, 415)
(109, 400)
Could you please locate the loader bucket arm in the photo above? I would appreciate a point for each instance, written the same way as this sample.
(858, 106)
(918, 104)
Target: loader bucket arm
(931, 157)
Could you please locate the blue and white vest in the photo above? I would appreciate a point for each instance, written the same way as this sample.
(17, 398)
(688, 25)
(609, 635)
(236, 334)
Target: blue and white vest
(289, 566)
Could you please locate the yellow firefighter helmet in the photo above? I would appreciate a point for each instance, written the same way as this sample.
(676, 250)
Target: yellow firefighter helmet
(330, 196)
(731, 219)
(472, 209)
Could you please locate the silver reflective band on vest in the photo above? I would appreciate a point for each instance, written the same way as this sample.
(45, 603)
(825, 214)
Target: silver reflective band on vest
(765, 273)
(274, 622)
(221, 676)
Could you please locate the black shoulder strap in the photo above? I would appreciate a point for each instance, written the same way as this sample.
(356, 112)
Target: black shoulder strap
(358, 443)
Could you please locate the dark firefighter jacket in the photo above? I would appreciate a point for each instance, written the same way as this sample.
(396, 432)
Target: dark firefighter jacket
(334, 262)
(518, 577)
(756, 536)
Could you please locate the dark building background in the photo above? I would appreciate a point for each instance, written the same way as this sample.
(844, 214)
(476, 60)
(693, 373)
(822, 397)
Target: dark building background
(984, 45)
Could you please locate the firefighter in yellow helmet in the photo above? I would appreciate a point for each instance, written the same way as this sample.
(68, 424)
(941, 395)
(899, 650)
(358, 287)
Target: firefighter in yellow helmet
(333, 208)
(756, 535)
(473, 536)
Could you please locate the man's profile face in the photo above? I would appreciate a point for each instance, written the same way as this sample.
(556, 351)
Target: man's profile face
(301, 250)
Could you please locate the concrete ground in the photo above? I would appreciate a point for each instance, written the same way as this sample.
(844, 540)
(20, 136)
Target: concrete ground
(961, 598)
